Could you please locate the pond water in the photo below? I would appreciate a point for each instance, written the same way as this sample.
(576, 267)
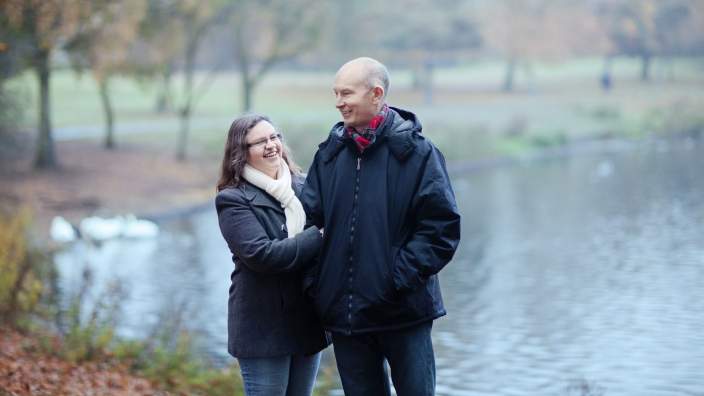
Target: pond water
(575, 274)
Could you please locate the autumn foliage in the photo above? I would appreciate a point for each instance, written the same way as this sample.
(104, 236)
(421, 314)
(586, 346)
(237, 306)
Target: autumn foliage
(20, 279)
(83, 356)
(26, 369)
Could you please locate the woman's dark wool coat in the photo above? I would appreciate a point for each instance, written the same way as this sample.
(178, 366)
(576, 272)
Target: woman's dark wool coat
(268, 314)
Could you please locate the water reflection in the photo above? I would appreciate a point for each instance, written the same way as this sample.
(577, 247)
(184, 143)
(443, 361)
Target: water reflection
(586, 271)
(567, 274)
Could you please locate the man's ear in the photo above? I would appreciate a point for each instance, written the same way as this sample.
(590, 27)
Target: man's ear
(377, 94)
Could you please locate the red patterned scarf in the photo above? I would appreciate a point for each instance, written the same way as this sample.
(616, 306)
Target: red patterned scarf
(366, 137)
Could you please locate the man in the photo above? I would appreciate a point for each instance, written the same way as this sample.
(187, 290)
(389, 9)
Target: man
(382, 194)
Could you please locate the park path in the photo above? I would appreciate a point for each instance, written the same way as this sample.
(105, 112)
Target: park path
(166, 126)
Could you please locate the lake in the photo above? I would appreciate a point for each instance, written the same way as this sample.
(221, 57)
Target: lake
(575, 274)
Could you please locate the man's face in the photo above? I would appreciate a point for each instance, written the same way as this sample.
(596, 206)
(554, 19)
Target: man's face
(354, 99)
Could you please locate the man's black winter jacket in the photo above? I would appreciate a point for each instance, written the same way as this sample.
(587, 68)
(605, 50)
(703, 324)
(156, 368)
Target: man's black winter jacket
(390, 224)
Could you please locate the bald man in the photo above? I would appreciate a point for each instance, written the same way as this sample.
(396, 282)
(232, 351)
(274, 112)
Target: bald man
(381, 192)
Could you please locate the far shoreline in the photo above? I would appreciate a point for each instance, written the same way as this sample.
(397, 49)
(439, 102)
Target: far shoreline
(154, 186)
(584, 147)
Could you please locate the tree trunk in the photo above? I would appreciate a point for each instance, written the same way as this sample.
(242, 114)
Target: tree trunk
(185, 112)
(109, 116)
(416, 77)
(428, 82)
(13, 299)
(247, 89)
(645, 67)
(510, 73)
(163, 100)
(185, 122)
(45, 157)
(246, 79)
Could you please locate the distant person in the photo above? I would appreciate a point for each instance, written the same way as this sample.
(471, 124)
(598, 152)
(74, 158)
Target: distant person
(380, 190)
(273, 330)
(605, 81)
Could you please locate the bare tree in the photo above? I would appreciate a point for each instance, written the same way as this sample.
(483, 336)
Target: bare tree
(103, 47)
(267, 33)
(430, 36)
(45, 25)
(159, 49)
(650, 28)
(172, 35)
(522, 31)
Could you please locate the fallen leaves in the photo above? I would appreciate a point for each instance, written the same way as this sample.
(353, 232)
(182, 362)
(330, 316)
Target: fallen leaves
(26, 370)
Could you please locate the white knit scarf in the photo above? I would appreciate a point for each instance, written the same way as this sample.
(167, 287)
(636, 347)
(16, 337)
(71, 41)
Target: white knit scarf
(283, 192)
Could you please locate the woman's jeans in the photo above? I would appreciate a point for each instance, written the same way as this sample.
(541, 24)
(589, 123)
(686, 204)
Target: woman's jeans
(279, 376)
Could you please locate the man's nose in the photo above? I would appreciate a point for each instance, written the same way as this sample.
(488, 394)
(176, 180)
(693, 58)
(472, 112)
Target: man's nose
(339, 102)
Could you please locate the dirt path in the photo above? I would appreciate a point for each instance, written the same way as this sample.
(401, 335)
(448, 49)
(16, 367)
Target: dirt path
(91, 180)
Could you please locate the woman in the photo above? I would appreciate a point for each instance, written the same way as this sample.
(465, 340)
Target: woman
(272, 329)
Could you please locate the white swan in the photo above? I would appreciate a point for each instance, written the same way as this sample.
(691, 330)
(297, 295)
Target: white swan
(99, 229)
(61, 230)
(136, 228)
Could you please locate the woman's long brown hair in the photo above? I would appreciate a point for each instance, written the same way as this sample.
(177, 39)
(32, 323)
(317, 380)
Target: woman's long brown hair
(235, 156)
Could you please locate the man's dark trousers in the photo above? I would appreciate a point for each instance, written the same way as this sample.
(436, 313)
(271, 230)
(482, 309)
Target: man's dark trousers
(409, 351)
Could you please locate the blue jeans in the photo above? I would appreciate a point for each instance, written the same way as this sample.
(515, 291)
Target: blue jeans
(279, 376)
(409, 352)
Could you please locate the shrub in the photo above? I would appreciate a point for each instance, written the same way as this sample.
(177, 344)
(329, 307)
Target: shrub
(176, 368)
(22, 270)
(12, 110)
(87, 326)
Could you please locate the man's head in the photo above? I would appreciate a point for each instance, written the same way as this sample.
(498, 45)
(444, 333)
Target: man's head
(360, 90)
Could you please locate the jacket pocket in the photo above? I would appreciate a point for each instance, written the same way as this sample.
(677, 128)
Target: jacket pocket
(391, 268)
(399, 271)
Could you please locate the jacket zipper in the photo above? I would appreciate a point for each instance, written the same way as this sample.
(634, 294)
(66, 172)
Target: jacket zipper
(352, 234)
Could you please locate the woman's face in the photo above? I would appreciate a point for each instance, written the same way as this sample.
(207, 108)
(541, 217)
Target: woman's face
(264, 148)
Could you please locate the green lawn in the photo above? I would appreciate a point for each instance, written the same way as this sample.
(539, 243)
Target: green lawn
(469, 117)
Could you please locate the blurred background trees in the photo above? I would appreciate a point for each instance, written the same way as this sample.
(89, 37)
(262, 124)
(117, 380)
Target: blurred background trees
(270, 32)
(182, 46)
(39, 29)
(102, 48)
(647, 29)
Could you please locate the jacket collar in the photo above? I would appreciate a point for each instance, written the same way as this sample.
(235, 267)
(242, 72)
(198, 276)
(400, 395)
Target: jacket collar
(259, 197)
(398, 132)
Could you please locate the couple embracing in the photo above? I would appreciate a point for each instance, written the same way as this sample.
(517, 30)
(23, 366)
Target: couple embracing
(350, 254)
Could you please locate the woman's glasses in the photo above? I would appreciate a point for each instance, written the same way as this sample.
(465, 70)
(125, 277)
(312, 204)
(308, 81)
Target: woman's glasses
(263, 141)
